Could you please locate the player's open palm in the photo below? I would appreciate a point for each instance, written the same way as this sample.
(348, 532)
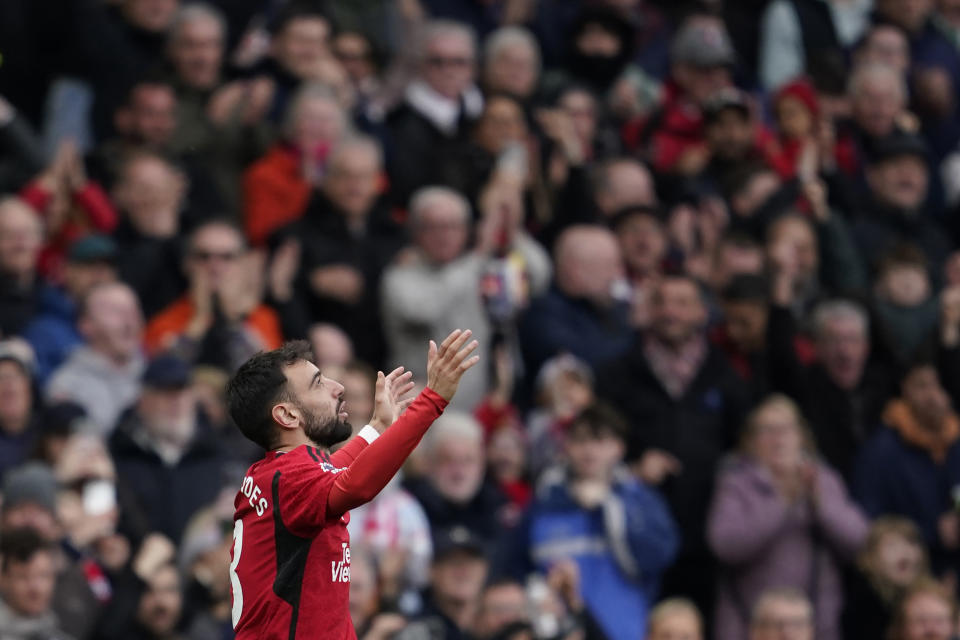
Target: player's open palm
(447, 363)
(391, 398)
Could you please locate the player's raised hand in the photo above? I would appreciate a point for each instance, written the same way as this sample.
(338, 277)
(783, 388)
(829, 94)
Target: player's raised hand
(447, 363)
(390, 398)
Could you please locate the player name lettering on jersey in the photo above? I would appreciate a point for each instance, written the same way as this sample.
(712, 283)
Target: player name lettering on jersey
(340, 569)
(253, 492)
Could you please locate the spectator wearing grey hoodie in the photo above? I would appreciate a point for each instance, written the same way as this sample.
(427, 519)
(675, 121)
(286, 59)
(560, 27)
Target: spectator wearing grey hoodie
(103, 374)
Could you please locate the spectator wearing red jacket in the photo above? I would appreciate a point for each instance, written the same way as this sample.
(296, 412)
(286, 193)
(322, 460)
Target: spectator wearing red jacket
(672, 137)
(70, 204)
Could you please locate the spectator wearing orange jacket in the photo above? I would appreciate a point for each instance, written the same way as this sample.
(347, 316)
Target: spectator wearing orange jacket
(221, 319)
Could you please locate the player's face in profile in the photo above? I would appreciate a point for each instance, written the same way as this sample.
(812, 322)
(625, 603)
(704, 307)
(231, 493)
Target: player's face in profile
(320, 402)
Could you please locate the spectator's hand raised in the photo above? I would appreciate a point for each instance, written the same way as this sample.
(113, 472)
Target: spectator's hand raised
(948, 528)
(384, 626)
(155, 551)
(390, 399)
(339, 281)
(950, 316)
(242, 288)
(283, 270)
(655, 465)
(590, 494)
(564, 578)
(447, 363)
(558, 126)
(815, 193)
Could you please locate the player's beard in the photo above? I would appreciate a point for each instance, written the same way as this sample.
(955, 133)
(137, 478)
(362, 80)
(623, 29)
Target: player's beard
(325, 432)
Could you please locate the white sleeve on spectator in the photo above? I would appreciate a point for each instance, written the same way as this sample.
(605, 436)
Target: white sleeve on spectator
(781, 45)
(950, 174)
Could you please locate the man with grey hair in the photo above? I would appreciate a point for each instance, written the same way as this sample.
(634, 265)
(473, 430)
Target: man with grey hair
(453, 492)
(438, 108)
(841, 393)
(346, 239)
(196, 46)
(276, 188)
(878, 98)
(511, 62)
(437, 285)
(782, 614)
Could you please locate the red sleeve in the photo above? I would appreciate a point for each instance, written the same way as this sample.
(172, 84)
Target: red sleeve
(378, 463)
(35, 196)
(94, 202)
(346, 454)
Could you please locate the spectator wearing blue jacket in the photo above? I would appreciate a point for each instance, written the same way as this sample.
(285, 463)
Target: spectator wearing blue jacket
(911, 467)
(618, 531)
(53, 331)
(581, 314)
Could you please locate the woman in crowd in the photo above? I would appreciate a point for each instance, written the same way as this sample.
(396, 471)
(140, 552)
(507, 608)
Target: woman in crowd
(780, 518)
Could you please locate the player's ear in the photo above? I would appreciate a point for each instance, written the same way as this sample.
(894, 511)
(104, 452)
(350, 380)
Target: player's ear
(285, 415)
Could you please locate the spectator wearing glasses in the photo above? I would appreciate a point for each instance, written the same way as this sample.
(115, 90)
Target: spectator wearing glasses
(354, 51)
(221, 318)
(438, 107)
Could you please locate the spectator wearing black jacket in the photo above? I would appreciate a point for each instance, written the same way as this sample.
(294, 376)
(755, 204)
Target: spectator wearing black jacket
(162, 452)
(453, 492)
(684, 404)
(438, 109)
(898, 176)
(841, 392)
(347, 238)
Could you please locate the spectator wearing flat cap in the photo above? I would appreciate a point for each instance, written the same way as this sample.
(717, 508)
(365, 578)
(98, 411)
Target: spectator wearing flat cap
(733, 137)
(898, 177)
(671, 138)
(458, 574)
(30, 500)
(18, 411)
(53, 333)
(163, 450)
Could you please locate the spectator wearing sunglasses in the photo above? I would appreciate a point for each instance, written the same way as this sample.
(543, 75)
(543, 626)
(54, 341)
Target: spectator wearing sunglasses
(220, 320)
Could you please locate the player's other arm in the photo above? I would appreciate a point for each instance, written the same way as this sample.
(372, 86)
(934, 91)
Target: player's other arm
(379, 461)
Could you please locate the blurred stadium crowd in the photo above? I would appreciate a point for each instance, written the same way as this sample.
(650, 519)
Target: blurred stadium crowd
(711, 250)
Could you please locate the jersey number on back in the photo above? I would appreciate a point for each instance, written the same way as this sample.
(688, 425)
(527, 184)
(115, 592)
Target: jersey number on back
(234, 578)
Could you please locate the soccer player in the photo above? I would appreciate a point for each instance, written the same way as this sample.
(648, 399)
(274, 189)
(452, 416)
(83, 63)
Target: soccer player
(290, 564)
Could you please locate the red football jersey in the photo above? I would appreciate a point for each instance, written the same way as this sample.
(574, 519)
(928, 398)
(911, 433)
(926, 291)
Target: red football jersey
(290, 564)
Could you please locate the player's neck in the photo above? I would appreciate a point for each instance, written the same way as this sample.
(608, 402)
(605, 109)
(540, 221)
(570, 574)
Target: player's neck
(293, 441)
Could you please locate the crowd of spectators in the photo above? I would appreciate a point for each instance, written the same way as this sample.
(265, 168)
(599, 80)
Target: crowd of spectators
(710, 249)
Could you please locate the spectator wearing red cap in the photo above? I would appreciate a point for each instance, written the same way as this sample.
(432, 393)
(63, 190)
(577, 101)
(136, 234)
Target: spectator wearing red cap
(802, 130)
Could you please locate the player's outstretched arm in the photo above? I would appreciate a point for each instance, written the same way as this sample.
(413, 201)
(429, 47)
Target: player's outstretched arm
(389, 402)
(377, 464)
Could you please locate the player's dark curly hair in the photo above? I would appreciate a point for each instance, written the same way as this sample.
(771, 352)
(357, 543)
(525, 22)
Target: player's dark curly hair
(258, 385)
